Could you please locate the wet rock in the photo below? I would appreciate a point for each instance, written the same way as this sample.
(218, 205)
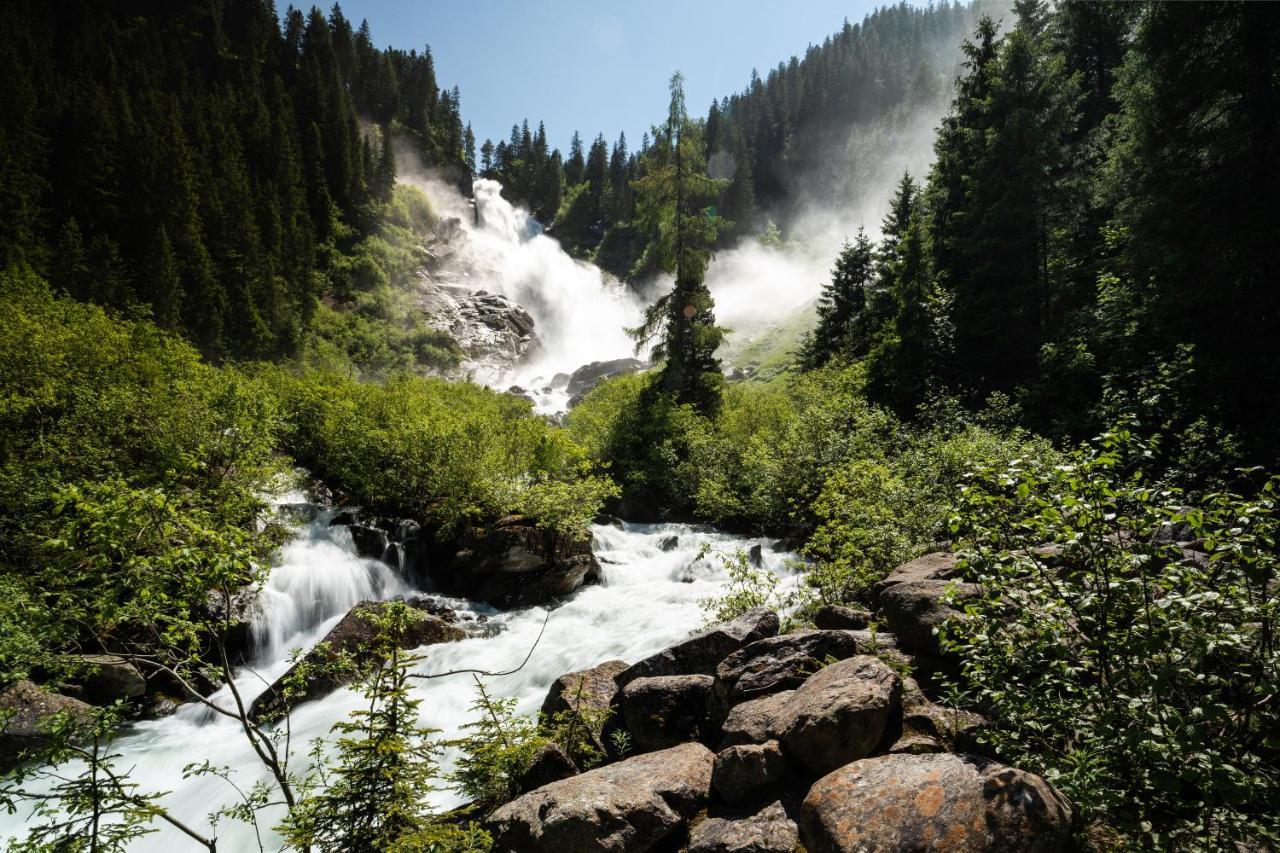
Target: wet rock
(370, 541)
(513, 563)
(755, 555)
(590, 375)
(933, 802)
(755, 721)
(335, 661)
(931, 567)
(669, 544)
(492, 332)
(627, 807)
(768, 830)
(839, 714)
(550, 764)
(26, 712)
(665, 710)
(842, 617)
(560, 380)
(777, 663)
(233, 612)
(432, 606)
(915, 609)
(742, 772)
(107, 678)
(700, 654)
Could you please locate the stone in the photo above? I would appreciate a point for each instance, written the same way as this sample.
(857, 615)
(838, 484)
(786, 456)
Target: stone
(927, 727)
(669, 544)
(107, 678)
(233, 612)
(590, 375)
(627, 807)
(915, 609)
(754, 721)
(586, 696)
(492, 332)
(328, 667)
(550, 764)
(840, 713)
(741, 772)
(776, 663)
(769, 830)
(700, 654)
(370, 541)
(514, 563)
(842, 617)
(755, 555)
(940, 565)
(665, 710)
(25, 711)
(962, 803)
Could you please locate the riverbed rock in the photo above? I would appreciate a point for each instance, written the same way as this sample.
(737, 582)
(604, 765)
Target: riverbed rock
(590, 375)
(839, 714)
(586, 697)
(927, 727)
(755, 721)
(233, 612)
(335, 661)
(492, 332)
(627, 807)
(962, 803)
(842, 617)
(665, 710)
(914, 610)
(776, 663)
(700, 654)
(26, 713)
(514, 563)
(767, 830)
(107, 678)
(550, 764)
(741, 772)
(940, 565)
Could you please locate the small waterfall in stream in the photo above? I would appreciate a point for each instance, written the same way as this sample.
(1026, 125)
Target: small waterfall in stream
(648, 600)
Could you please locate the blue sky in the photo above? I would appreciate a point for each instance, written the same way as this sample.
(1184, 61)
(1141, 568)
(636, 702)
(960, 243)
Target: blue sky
(599, 66)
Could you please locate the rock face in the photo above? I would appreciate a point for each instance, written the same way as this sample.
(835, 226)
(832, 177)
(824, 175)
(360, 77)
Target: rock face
(26, 711)
(742, 772)
(933, 802)
(665, 710)
(513, 563)
(493, 332)
(940, 565)
(628, 807)
(351, 636)
(591, 690)
(234, 613)
(590, 375)
(839, 714)
(106, 678)
(768, 830)
(699, 655)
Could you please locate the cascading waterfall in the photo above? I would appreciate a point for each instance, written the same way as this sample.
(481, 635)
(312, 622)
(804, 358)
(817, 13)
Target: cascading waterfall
(649, 599)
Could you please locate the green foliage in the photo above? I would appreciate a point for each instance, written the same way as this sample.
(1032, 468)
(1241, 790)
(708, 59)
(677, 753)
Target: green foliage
(1136, 674)
(749, 587)
(498, 748)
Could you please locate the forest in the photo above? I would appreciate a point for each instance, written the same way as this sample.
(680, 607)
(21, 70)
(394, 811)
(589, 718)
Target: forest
(287, 563)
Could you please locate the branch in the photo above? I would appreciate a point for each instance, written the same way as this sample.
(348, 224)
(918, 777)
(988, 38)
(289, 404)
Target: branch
(486, 672)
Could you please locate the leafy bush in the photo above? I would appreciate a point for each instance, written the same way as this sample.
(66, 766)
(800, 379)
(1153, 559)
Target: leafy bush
(1138, 675)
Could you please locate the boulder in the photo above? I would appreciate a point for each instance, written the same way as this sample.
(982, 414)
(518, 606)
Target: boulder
(492, 332)
(590, 375)
(25, 712)
(754, 721)
(927, 727)
(550, 764)
(670, 543)
(768, 830)
(665, 710)
(931, 567)
(842, 617)
(107, 678)
(627, 807)
(233, 612)
(776, 663)
(700, 654)
(370, 541)
(755, 555)
(839, 714)
(514, 563)
(950, 802)
(335, 661)
(914, 609)
(586, 696)
(742, 772)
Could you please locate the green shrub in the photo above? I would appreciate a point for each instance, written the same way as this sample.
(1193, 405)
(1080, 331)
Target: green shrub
(1138, 677)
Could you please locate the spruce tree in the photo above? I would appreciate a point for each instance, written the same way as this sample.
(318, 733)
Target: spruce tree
(843, 329)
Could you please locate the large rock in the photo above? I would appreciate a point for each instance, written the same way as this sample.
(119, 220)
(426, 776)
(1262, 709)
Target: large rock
(742, 772)
(960, 803)
(768, 830)
(627, 807)
(550, 764)
(839, 714)
(927, 727)
(513, 563)
(492, 332)
(590, 375)
(233, 613)
(755, 721)
(591, 690)
(914, 610)
(700, 654)
(842, 617)
(931, 567)
(108, 678)
(336, 660)
(776, 663)
(26, 713)
(665, 710)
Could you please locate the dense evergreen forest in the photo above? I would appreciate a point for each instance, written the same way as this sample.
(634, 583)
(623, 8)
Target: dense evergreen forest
(1017, 471)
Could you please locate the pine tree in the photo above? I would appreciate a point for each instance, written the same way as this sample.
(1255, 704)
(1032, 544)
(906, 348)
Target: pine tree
(576, 169)
(843, 329)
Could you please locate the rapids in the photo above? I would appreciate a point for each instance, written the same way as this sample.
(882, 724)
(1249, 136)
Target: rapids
(648, 600)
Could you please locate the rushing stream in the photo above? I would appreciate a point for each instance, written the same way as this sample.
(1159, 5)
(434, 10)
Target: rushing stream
(648, 599)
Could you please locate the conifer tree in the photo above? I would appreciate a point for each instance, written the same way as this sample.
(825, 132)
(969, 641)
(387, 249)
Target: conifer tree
(576, 168)
(843, 329)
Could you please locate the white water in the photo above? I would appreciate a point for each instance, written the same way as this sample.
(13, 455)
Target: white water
(647, 601)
